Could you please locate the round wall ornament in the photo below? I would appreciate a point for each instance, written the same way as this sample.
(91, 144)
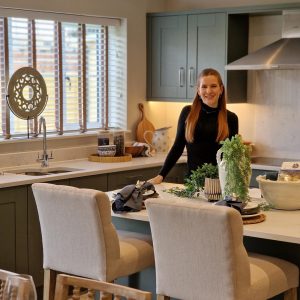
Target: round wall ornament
(27, 93)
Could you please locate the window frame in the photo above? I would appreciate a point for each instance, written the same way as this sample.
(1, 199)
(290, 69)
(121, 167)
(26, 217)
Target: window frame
(81, 20)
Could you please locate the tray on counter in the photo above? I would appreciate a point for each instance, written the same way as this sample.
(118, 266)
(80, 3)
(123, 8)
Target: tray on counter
(110, 159)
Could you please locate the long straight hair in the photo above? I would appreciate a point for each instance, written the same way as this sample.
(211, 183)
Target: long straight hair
(196, 108)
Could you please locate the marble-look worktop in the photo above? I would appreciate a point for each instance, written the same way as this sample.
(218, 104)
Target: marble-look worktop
(84, 166)
(279, 225)
(87, 168)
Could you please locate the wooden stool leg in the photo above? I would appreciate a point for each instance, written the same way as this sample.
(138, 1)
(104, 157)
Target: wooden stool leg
(105, 296)
(49, 284)
(162, 297)
(290, 294)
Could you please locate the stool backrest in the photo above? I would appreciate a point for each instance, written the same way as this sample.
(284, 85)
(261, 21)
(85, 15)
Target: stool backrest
(198, 249)
(77, 233)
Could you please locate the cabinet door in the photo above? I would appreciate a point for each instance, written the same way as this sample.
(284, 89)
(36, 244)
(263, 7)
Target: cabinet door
(97, 182)
(168, 57)
(177, 174)
(255, 173)
(13, 229)
(35, 246)
(121, 179)
(206, 46)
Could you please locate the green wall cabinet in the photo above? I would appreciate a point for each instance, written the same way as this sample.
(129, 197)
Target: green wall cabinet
(206, 46)
(168, 56)
(179, 47)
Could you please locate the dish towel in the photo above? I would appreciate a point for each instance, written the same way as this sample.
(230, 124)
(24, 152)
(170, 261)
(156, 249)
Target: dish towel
(147, 149)
(131, 197)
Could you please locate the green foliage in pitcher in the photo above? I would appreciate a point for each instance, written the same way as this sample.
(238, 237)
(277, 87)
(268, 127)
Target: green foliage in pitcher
(237, 160)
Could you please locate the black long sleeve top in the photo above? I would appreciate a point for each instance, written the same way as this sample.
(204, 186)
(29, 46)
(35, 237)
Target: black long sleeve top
(204, 147)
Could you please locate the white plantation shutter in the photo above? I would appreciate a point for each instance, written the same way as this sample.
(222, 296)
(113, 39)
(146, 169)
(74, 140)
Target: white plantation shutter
(84, 67)
(2, 76)
(95, 71)
(20, 55)
(72, 74)
(47, 65)
(117, 76)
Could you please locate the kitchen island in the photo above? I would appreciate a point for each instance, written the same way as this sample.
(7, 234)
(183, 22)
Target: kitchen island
(279, 225)
(278, 235)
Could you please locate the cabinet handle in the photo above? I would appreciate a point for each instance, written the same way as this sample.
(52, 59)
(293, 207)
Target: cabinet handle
(192, 77)
(181, 77)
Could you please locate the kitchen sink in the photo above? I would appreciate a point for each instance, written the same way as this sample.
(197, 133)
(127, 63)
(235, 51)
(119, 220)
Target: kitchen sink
(42, 171)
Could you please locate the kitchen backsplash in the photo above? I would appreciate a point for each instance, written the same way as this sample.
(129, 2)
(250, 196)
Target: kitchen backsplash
(277, 111)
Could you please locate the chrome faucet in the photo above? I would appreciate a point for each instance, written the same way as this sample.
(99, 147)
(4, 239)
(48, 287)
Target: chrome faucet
(45, 157)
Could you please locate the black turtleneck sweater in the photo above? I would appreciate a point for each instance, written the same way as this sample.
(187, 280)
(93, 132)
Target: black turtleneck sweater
(204, 148)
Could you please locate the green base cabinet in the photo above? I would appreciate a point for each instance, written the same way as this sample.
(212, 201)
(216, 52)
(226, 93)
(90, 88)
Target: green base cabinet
(13, 229)
(96, 182)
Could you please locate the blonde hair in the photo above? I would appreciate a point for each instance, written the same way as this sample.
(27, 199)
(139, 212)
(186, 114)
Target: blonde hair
(196, 108)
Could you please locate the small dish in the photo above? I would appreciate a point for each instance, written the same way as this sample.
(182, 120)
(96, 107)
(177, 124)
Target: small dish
(148, 193)
(251, 216)
(250, 205)
(107, 150)
(251, 208)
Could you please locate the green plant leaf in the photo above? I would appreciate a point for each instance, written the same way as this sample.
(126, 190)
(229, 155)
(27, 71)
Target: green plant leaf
(237, 160)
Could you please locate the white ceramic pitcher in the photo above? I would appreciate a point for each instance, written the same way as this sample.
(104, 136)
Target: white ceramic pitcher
(160, 139)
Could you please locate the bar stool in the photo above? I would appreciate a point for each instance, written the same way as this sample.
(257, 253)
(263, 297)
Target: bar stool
(199, 254)
(79, 237)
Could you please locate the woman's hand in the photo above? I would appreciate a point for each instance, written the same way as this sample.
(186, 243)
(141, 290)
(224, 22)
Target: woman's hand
(156, 180)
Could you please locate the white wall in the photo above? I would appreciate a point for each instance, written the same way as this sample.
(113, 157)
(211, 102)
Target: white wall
(173, 5)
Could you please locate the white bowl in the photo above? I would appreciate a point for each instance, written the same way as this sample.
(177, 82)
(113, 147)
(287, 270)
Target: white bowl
(107, 150)
(280, 194)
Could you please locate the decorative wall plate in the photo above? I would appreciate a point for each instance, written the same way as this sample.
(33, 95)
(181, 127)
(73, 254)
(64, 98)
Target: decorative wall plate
(27, 93)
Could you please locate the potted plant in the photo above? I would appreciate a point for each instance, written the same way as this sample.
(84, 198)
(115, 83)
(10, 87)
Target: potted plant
(204, 178)
(236, 163)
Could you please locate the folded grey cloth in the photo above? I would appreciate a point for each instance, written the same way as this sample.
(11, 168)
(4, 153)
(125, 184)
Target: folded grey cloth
(131, 197)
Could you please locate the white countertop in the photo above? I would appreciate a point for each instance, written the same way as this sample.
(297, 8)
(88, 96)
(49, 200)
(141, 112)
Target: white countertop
(279, 225)
(85, 168)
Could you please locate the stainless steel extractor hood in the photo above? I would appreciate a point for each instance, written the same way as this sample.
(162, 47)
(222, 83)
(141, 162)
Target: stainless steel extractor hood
(282, 54)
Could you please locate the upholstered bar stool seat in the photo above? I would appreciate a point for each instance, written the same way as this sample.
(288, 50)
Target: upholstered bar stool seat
(79, 237)
(199, 254)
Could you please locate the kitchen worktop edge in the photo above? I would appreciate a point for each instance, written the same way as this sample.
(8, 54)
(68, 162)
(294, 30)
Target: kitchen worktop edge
(85, 168)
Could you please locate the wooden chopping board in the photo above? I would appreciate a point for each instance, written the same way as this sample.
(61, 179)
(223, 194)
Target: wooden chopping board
(143, 126)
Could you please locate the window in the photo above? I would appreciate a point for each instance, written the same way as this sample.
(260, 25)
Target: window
(82, 60)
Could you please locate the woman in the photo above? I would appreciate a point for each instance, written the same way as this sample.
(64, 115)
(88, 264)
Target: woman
(201, 126)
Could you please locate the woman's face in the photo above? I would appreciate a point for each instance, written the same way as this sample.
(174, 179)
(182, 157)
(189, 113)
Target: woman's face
(209, 90)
